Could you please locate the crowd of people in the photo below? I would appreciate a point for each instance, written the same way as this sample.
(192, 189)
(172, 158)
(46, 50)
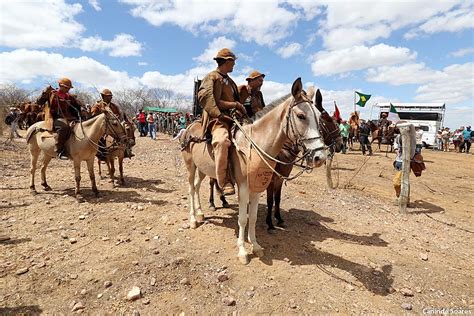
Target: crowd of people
(148, 124)
(460, 138)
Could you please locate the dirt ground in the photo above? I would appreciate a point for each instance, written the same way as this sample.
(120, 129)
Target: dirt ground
(345, 251)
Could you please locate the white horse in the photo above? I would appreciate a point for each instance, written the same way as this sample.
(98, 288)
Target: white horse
(294, 119)
(81, 146)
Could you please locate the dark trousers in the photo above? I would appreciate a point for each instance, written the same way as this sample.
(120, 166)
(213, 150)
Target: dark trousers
(364, 142)
(61, 126)
(344, 145)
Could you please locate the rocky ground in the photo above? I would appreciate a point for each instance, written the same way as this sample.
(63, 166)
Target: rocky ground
(131, 251)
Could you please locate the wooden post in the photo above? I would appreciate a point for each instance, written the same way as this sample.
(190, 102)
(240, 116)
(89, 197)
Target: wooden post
(407, 132)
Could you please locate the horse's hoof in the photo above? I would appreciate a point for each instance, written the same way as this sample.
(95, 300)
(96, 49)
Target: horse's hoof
(193, 224)
(96, 194)
(200, 218)
(212, 208)
(33, 192)
(258, 252)
(225, 205)
(281, 224)
(244, 259)
(47, 188)
(79, 198)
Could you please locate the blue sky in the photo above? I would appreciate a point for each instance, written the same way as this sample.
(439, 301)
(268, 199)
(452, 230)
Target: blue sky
(398, 51)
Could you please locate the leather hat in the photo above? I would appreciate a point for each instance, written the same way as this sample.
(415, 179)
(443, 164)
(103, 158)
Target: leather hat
(254, 74)
(225, 53)
(106, 92)
(66, 82)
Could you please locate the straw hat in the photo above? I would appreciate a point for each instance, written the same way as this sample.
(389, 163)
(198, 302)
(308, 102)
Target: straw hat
(255, 74)
(225, 53)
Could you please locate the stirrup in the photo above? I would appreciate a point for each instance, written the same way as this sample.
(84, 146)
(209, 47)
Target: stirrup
(63, 156)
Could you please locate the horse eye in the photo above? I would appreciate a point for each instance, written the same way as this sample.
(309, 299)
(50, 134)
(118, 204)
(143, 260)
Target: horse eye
(301, 116)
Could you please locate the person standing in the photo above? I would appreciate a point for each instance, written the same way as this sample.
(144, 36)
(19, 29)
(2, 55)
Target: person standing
(364, 132)
(250, 95)
(60, 109)
(467, 135)
(445, 134)
(344, 128)
(141, 118)
(218, 94)
(151, 125)
(419, 139)
(12, 119)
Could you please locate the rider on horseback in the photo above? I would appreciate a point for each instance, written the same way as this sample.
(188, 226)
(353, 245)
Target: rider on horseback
(250, 95)
(99, 107)
(218, 94)
(60, 109)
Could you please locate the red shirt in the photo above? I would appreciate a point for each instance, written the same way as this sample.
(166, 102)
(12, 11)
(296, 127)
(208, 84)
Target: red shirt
(141, 117)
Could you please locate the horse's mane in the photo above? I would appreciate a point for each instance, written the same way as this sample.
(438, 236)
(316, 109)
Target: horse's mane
(270, 106)
(90, 120)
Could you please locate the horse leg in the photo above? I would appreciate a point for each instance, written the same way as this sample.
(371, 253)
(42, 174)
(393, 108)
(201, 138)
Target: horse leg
(77, 177)
(46, 160)
(243, 207)
(268, 219)
(34, 154)
(197, 199)
(120, 163)
(90, 168)
(253, 210)
(111, 166)
(212, 206)
(192, 190)
(222, 197)
(278, 187)
(100, 168)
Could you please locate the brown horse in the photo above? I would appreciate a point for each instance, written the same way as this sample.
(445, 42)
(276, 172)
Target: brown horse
(81, 146)
(332, 139)
(256, 146)
(117, 150)
(354, 122)
(384, 136)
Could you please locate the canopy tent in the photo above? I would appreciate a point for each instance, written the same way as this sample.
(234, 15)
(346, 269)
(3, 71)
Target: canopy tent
(156, 109)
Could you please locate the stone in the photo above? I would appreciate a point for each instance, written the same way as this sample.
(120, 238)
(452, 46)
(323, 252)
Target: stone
(21, 271)
(424, 256)
(407, 306)
(406, 292)
(72, 240)
(152, 281)
(83, 292)
(185, 281)
(146, 301)
(107, 284)
(156, 251)
(222, 277)
(228, 301)
(82, 217)
(73, 276)
(78, 306)
(99, 295)
(64, 235)
(134, 294)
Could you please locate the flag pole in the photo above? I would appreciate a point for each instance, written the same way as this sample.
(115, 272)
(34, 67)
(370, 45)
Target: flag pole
(354, 101)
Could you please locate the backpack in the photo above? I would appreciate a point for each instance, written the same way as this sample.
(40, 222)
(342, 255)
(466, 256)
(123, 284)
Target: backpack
(9, 119)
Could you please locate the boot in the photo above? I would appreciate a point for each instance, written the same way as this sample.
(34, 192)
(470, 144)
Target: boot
(61, 138)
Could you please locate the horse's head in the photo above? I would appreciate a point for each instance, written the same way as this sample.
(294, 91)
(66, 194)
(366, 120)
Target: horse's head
(129, 130)
(328, 126)
(302, 125)
(113, 126)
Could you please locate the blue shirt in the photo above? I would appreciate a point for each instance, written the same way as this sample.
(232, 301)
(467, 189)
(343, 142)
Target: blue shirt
(466, 134)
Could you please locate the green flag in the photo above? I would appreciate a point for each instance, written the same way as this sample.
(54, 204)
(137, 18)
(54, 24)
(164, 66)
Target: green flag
(363, 99)
(393, 114)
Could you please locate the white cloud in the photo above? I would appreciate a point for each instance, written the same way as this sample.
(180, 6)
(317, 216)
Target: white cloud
(95, 4)
(213, 47)
(123, 45)
(357, 58)
(451, 85)
(369, 20)
(453, 21)
(38, 65)
(289, 50)
(463, 52)
(142, 63)
(235, 16)
(36, 24)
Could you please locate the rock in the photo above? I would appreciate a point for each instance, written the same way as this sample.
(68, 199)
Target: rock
(222, 277)
(82, 217)
(424, 256)
(105, 238)
(250, 294)
(99, 295)
(135, 263)
(185, 226)
(152, 281)
(184, 281)
(21, 271)
(78, 306)
(228, 301)
(107, 284)
(146, 301)
(407, 306)
(83, 292)
(293, 304)
(64, 235)
(178, 261)
(72, 240)
(156, 251)
(73, 276)
(350, 287)
(134, 293)
(406, 292)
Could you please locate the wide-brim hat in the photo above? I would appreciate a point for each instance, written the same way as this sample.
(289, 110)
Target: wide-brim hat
(255, 74)
(106, 92)
(12, 108)
(66, 82)
(225, 53)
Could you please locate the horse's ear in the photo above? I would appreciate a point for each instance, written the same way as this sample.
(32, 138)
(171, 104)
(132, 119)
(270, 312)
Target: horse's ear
(310, 92)
(297, 87)
(319, 99)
